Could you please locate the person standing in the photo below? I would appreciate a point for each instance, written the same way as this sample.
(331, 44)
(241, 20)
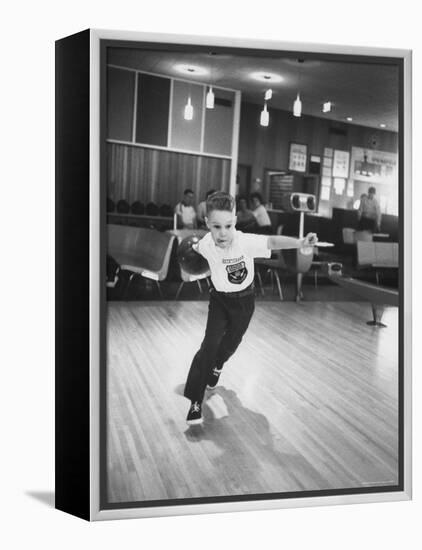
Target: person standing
(230, 255)
(369, 212)
(186, 214)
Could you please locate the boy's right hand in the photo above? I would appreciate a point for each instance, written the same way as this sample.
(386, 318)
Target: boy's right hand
(311, 239)
(308, 244)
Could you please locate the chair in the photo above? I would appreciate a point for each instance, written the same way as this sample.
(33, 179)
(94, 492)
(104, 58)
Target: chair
(377, 256)
(185, 276)
(144, 252)
(188, 278)
(273, 265)
(364, 235)
(349, 235)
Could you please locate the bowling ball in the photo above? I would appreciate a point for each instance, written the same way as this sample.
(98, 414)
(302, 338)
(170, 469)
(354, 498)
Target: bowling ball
(190, 261)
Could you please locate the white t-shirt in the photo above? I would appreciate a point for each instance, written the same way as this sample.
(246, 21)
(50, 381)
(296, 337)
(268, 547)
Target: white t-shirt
(187, 213)
(261, 216)
(232, 269)
(369, 208)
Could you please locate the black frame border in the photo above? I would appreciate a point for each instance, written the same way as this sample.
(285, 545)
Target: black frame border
(72, 292)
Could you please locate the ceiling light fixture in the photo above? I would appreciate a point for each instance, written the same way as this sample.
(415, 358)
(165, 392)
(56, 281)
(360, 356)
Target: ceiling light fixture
(326, 107)
(188, 113)
(349, 119)
(268, 94)
(190, 69)
(266, 77)
(383, 125)
(210, 99)
(265, 117)
(297, 105)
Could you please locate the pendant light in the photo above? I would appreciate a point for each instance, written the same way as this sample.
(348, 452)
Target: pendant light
(188, 113)
(265, 117)
(268, 94)
(297, 106)
(210, 99)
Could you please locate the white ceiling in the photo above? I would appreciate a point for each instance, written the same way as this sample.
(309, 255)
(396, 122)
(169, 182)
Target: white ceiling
(365, 91)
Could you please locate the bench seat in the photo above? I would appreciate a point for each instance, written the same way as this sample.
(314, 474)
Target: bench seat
(140, 250)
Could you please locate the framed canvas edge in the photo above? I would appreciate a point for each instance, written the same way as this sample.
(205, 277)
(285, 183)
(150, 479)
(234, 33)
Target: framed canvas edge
(248, 506)
(94, 264)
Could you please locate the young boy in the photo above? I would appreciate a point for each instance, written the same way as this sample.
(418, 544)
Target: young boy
(230, 255)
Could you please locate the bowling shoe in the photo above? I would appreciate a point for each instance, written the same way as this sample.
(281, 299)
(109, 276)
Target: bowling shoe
(195, 414)
(213, 379)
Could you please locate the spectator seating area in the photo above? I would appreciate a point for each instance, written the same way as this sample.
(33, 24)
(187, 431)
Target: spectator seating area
(143, 245)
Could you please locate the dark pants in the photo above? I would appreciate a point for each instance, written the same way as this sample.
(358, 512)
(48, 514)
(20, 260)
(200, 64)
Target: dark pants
(367, 224)
(228, 319)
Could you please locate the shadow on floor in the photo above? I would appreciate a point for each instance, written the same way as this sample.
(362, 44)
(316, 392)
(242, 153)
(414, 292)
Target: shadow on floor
(45, 497)
(250, 452)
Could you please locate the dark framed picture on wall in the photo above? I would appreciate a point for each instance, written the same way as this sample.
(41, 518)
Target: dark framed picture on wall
(217, 350)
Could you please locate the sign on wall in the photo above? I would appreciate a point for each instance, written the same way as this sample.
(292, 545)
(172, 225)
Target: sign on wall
(297, 157)
(341, 164)
(374, 166)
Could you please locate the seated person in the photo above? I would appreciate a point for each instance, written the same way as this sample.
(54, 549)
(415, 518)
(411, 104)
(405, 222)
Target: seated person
(261, 214)
(202, 209)
(246, 221)
(186, 215)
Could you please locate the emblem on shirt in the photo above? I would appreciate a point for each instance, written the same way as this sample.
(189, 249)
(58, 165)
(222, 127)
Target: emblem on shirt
(237, 273)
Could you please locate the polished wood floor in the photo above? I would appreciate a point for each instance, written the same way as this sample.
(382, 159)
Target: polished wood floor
(308, 402)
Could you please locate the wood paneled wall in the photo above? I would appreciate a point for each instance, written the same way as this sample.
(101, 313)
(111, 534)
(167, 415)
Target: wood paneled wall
(137, 173)
(268, 147)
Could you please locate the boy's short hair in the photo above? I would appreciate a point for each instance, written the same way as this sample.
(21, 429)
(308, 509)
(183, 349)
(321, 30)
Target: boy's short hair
(220, 200)
(187, 191)
(372, 190)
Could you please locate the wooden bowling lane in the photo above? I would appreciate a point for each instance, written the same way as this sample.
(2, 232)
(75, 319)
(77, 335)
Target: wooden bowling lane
(308, 402)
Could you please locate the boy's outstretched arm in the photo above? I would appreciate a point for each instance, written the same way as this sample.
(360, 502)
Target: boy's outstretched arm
(279, 242)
